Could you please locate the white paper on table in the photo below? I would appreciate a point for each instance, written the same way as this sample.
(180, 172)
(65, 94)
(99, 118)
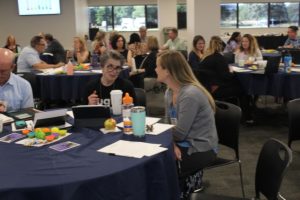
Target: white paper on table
(70, 113)
(98, 71)
(293, 69)
(52, 71)
(29, 124)
(34, 142)
(105, 131)
(159, 128)
(6, 119)
(81, 71)
(149, 121)
(132, 149)
(239, 69)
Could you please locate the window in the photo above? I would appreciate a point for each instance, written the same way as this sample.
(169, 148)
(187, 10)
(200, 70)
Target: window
(284, 14)
(129, 18)
(181, 16)
(123, 18)
(229, 15)
(253, 15)
(151, 16)
(101, 17)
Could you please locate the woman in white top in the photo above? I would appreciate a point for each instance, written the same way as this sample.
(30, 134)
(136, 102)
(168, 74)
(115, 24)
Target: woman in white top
(248, 51)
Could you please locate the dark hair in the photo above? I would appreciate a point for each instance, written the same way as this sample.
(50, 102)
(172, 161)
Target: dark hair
(49, 37)
(294, 28)
(233, 37)
(174, 30)
(111, 54)
(35, 41)
(134, 38)
(196, 39)
(115, 40)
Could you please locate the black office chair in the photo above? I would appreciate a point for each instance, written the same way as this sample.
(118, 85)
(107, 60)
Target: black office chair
(294, 119)
(140, 99)
(228, 117)
(273, 161)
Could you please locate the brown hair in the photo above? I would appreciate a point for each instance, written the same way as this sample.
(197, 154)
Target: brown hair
(253, 46)
(181, 72)
(152, 43)
(195, 41)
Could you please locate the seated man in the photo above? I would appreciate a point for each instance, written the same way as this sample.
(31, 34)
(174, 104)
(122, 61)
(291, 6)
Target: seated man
(54, 47)
(293, 41)
(15, 92)
(174, 42)
(29, 58)
(98, 91)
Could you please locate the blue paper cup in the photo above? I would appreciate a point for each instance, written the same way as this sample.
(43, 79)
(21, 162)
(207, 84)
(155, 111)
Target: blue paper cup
(138, 118)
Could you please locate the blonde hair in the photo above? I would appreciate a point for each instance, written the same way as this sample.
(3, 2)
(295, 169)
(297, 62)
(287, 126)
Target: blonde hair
(253, 46)
(215, 46)
(152, 43)
(181, 72)
(82, 43)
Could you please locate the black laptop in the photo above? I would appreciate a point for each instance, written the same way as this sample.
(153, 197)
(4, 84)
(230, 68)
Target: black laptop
(90, 116)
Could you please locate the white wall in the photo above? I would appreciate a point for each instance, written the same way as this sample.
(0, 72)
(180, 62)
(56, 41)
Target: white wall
(63, 26)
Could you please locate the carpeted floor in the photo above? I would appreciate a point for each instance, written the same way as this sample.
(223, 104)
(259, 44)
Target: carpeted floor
(271, 122)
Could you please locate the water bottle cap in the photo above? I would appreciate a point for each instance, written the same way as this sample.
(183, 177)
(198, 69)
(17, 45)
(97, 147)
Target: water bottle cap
(127, 99)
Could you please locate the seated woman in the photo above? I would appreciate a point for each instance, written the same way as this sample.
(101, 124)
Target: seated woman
(135, 48)
(223, 83)
(12, 45)
(149, 64)
(248, 51)
(197, 53)
(80, 52)
(233, 43)
(98, 91)
(118, 43)
(195, 135)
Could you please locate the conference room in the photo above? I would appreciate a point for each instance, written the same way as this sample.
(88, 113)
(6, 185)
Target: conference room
(95, 99)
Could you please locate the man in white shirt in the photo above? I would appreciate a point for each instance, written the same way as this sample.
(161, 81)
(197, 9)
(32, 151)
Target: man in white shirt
(174, 43)
(29, 58)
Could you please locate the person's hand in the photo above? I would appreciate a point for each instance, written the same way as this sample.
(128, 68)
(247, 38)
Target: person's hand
(59, 64)
(93, 98)
(177, 152)
(288, 46)
(102, 49)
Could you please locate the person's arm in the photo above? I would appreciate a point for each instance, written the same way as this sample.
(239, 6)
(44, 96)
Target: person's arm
(185, 116)
(194, 60)
(44, 65)
(166, 45)
(27, 101)
(81, 58)
(259, 55)
(129, 59)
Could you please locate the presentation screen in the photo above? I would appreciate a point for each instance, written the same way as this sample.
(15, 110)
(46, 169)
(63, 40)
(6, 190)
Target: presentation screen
(39, 7)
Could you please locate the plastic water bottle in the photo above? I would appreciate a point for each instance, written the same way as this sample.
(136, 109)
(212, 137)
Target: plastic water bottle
(287, 63)
(70, 68)
(126, 113)
(95, 60)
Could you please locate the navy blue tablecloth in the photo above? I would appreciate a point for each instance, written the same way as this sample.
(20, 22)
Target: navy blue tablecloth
(280, 84)
(64, 87)
(29, 173)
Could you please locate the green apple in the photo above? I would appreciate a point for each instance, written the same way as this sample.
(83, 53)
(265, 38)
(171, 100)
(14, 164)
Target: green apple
(110, 124)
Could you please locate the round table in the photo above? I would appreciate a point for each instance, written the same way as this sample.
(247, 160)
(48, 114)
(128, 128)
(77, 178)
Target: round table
(279, 84)
(83, 173)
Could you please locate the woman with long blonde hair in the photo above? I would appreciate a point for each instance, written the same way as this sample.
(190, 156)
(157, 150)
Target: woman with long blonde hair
(248, 51)
(80, 52)
(190, 107)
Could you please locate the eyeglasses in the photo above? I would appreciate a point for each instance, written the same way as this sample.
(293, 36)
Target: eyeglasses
(111, 68)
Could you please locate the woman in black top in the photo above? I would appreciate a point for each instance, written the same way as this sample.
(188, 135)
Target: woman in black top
(98, 91)
(118, 43)
(223, 84)
(197, 53)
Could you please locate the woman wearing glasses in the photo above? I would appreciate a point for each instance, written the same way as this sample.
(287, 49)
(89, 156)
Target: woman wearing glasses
(98, 91)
